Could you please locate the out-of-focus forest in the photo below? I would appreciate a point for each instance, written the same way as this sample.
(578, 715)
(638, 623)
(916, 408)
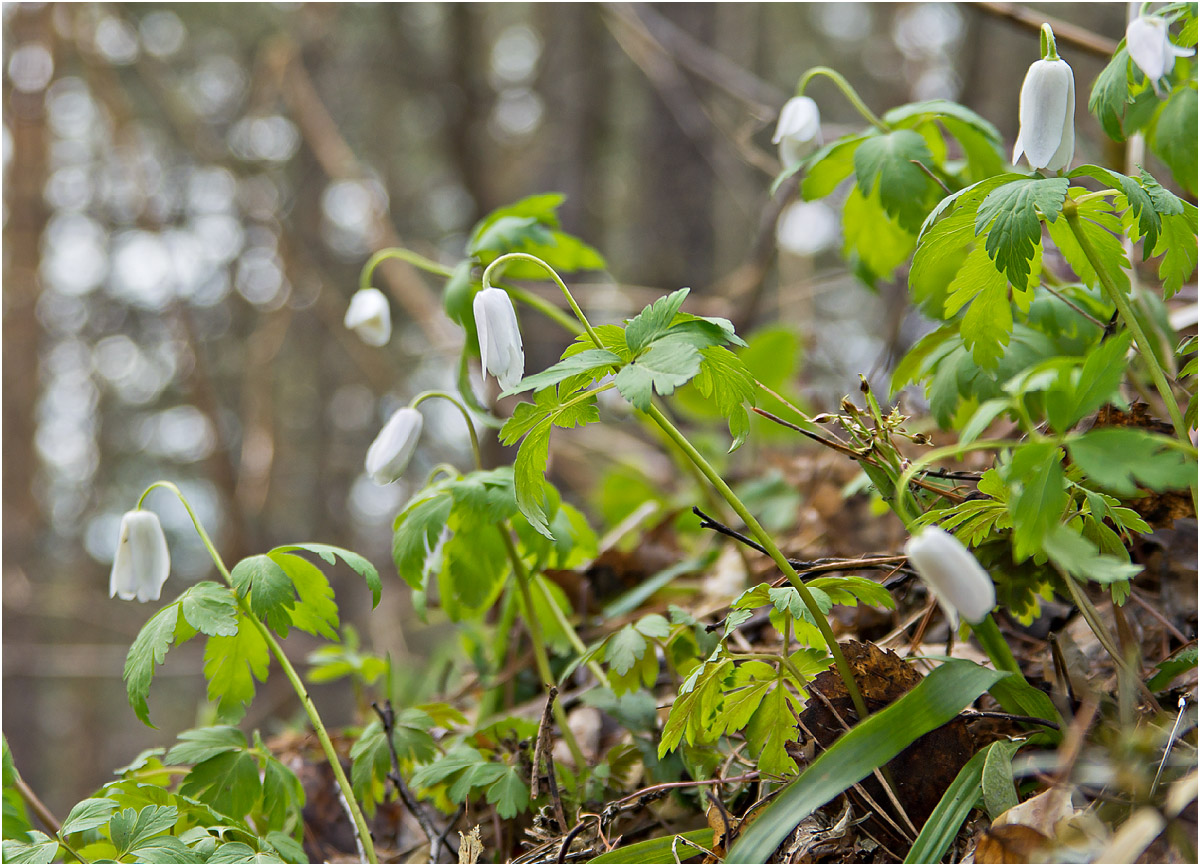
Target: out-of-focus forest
(191, 190)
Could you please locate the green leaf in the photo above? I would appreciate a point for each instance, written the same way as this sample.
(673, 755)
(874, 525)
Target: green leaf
(886, 163)
(231, 664)
(458, 758)
(270, 590)
(625, 647)
(458, 296)
(359, 564)
(1011, 215)
(594, 361)
(952, 809)
(474, 566)
(660, 850)
(999, 793)
(282, 793)
(1105, 244)
(1124, 459)
(1038, 507)
(666, 365)
(879, 243)
(829, 166)
(87, 814)
(1098, 381)
(315, 612)
(288, 848)
(418, 528)
(164, 849)
(1110, 94)
(987, 326)
(1082, 559)
(129, 828)
(39, 848)
(200, 744)
(770, 729)
(228, 782)
(1183, 660)
(209, 608)
(148, 649)
(695, 710)
(1174, 136)
(870, 744)
(724, 379)
(531, 226)
(653, 322)
(1177, 246)
(509, 794)
(370, 760)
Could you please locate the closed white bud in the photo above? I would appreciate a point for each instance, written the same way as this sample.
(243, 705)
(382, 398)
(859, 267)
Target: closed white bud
(1047, 112)
(499, 336)
(369, 316)
(143, 562)
(798, 132)
(1148, 43)
(953, 574)
(394, 446)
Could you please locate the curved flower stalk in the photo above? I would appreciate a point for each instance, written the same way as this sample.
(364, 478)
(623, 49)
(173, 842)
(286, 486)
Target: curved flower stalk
(1047, 111)
(370, 317)
(142, 562)
(1147, 38)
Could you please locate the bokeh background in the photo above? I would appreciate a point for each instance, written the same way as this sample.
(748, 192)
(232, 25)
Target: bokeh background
(191, 190)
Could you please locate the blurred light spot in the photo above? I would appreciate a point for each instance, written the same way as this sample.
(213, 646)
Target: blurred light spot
(6, 146)
(272, 138)
(31, 67)
(259, 197)
(69, 451)
(60, 314)
(422, 117)
(116, 357)
(372, 504)
(216, 85)
(117, 41)
(450, 207)
(515, 55)
(929, 28)
(220, 236)
(847, 22)
(70, 107)
(74, 258)
(806, 227)
(142, 271)
(938, 82)
(182, 434)
(350, 209)
(69, 188)
(162, 33)
(352, 408)
(211, 190)
(259, 278)
(517, 113)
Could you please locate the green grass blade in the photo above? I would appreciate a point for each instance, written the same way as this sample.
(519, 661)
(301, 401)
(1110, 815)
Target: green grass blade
(656, 850)
(936, 700)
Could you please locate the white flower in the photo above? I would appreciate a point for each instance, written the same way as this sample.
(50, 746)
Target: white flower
(143, 562)
(1147, 41)
(369, 316)
(955, 576)
(799, 130)
(499, 336)
(394, 446)
(1047, 136)
(806, 227)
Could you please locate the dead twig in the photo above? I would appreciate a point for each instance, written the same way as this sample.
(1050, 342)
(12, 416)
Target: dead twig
(1064, 31)
(542, 754)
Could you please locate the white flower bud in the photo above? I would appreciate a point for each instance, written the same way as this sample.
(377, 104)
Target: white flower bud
(369, 316)
(1148, 43)
(955, 576)
(799, 130)
(143, 562)
(499, 336)
(1047, 136)
(394, 446)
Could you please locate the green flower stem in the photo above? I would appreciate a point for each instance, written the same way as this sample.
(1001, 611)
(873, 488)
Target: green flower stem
(547, 309)
(490, 702)
(1049, 49)
(1071, 213)
(427, 395)
(539, 648)
(525, 257)
(360, 822)
(572, 636)
(996, 646)
(947, 451)
(414, 259)
(764, 538)
(847, 90)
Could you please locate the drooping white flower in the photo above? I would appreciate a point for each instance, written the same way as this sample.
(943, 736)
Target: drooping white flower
(369, 316)
(143, 562)
(394, 446)
(1047, 113)
(1148, 42)
(798, 132)
(954, 575)
(499, 336)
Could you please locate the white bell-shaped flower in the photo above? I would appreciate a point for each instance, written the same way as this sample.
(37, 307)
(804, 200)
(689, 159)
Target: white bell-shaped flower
(1047, 136)
(394, 446)
(1147, 40)
(143, 562)
(370, 317)
(499, 336)
(798, 132)
(953, 574)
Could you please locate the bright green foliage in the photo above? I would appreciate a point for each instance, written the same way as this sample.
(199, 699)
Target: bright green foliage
(724, 379)
(877, 244)
(200, 744)
(979, 139)
(1174, 137)
(1122, 459)
(360, 564)
(699, 702)
(228, 782)
(987, 325)
(345, 659)
(149, 649)
(1099, 225)
(231, 664)
(131, 831)
(1110, 94)
(772, 727)
(1011, 215)
(209, 608)
(632, 662)
(371, 758)
(1081, 559)
(316, 612)
(662, 368)
(1036, 473)
(654, 321)
(587, 361)
(531, 226)
(269, 590)
(87, 814)
(1177, 246)
(467, 773)
(16, 816)
(886, 163)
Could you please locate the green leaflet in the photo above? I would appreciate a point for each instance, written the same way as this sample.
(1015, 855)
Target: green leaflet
(886, 164)
(1124, 459)
(1173, 139)
(1011, 215)
(149, 649)
(232, 664)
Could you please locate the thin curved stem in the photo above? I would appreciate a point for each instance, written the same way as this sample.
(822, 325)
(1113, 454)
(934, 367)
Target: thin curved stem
(426, 395)
(544, 307)
(513, 257)
(414, 259)
(847, 90)
(572, 636)
(335, 764)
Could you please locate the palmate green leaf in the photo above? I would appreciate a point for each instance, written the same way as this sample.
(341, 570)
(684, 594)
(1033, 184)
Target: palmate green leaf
(1173, 139)
(666, 365)
(1124, 459)
(980, 140)
(1011, 215)
(886, 163)
(37, 847)
(876, 242)
(1110, 94)
(229, 782)
(870, 744)
(724, 379)
(417, 530)
(148, 649)
(231, 664)
(594, 361)
(1142, 206)
(850, 590)
(282, 793)
(653, 322)
(1082, 559)
(269, 588)
(315, 612)
(509, 793)
(209, 608)
(1037, 468)
(694, 712)
(749, 684)
(829, 166)
(474, 566)
(987, 326)
(200, 744)
(370, 761)
(130, 828)
(1097, 383)
(771, 728)
(358, 563)
(88, 814)
(1177, 246)
(288, 848)
(457, 759)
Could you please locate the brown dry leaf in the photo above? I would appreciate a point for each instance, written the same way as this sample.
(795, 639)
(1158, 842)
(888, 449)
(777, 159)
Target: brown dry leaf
(470, 846)
(1013, 843)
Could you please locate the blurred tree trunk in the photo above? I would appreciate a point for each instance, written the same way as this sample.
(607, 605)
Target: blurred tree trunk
(467, 122)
